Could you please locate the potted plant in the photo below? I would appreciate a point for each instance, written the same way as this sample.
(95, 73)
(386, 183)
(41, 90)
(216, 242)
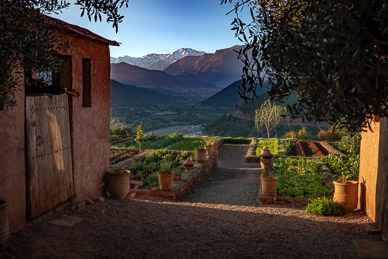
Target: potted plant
(117, 183)
(3, 223)
(209, 147)
(200, 155)
(268, 181)
(165, 176)
(345, 192)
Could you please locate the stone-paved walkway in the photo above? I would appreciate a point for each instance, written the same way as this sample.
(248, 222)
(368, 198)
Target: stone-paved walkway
(234, 182)
(220, 220)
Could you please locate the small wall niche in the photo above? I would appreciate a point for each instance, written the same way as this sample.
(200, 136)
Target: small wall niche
(87, 83)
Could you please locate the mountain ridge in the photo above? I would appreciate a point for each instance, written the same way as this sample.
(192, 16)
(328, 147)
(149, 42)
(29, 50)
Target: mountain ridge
(157, 61)
(221, 68)
(228, 98)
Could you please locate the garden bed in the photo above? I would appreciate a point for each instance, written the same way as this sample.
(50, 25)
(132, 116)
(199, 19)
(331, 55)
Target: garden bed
(181, 188)
(299, 181)
(279, 147)
(318, 149)
(119, 154)
(300, 178)
(149, 181)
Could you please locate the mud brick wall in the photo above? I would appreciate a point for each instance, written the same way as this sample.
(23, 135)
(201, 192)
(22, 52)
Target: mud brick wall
(12, 159)
(90, 126)
(373, 175)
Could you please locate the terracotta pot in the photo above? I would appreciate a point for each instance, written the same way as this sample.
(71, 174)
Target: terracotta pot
(200, 155)
(268, 186)
(209, 149)
(3, 223)
(117, 184)
(165, 181)
(346, 194)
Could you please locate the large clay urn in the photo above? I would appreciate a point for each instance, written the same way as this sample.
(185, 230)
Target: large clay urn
(268, 182)
(165, 181)
(118, 184)
(346, 194)
(268, 186)
(200, 155)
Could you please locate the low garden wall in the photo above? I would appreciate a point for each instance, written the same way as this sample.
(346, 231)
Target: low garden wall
(251, 156)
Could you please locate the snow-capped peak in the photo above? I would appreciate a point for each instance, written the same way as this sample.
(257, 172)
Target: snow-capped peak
(157, 61)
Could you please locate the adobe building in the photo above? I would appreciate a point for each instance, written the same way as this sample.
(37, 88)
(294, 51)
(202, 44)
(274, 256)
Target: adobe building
(55, 144)
(373, 177)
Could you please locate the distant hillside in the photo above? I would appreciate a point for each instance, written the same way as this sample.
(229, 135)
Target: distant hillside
(181, 88)
(234, 126)
(220, 69)
(248, 109)
(227, 98)
(135, 97)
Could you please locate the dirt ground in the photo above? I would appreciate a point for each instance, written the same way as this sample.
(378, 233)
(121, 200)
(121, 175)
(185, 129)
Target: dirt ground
(218, 220)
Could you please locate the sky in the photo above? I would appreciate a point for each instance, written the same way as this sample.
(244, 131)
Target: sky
(163, 26)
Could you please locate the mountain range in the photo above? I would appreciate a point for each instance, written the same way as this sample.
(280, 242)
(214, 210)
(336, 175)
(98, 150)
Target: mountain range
(191, 77)
(185, 88)
(157, 61)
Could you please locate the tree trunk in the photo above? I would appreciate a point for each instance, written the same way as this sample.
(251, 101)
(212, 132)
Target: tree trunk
(267, 132)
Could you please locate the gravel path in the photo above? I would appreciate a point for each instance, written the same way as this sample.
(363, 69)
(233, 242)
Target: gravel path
(234, 182)
(212, 223)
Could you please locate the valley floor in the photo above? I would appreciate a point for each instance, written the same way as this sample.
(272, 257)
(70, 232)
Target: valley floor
(221, 219)
(186, 130)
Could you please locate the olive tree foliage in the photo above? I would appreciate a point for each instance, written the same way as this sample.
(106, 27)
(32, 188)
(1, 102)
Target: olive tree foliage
(26, 42)
(268, 116)
(332, 54)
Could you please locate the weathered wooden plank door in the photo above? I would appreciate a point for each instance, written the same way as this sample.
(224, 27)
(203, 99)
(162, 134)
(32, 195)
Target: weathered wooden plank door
(50, 176)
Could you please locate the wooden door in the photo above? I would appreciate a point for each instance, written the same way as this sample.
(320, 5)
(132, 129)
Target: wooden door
(50, 175)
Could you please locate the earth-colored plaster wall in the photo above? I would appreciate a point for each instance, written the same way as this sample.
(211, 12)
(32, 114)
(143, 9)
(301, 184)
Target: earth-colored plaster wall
(89, 128)
(382, 181)
(12, 161)
(373, 195)
(369, 160)
(90, 125)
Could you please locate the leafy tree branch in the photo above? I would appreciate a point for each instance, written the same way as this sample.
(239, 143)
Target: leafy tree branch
(331, 54)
